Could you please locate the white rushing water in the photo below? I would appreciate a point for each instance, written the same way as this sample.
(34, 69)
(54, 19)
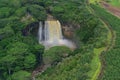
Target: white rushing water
(50, 34)
(40, 31)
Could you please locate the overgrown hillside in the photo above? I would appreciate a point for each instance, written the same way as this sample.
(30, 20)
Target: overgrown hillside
(81, 64)
(112, 59)
(21, 54)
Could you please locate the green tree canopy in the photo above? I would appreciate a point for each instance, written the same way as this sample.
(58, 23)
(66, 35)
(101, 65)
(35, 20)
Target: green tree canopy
(21, 75)
(55, 54)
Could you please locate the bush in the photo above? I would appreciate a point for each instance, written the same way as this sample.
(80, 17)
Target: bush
(55, 54)
(38, 12)
(5, 12)
(21, 75)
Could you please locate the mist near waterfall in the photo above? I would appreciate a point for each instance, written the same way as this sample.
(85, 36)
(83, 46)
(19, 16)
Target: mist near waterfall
(50, 34)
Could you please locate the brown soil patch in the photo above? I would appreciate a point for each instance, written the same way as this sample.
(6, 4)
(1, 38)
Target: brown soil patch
(112, 9)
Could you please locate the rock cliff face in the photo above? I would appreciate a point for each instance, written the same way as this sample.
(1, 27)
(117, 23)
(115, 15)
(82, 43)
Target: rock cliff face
(31, 28)
(67, 31)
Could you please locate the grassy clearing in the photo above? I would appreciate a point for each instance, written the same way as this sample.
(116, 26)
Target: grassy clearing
(115, 3)
(96, 64)
(112, 2)
(93, 1)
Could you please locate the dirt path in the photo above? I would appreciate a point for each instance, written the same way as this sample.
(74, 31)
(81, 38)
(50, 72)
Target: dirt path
(112, 9)
(108, 47)
(111, 37)
(39, 70)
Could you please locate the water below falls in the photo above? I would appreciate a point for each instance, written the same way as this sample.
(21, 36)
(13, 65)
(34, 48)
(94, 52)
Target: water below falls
(50, 34)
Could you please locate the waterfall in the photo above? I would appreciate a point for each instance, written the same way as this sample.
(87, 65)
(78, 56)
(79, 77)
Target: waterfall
(55, 32)
(50, 34)
(46, 35)
(40, 31)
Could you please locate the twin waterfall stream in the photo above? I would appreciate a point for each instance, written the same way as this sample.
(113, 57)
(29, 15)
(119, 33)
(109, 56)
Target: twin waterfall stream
(50, 34)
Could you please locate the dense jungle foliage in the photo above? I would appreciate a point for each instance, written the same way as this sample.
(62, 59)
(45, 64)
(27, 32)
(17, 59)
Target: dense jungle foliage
(20, 54)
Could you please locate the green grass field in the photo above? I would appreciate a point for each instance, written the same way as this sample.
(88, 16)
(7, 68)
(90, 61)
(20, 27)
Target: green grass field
(115, 3)
(112, 2)
(93, 1)
(96, 64)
